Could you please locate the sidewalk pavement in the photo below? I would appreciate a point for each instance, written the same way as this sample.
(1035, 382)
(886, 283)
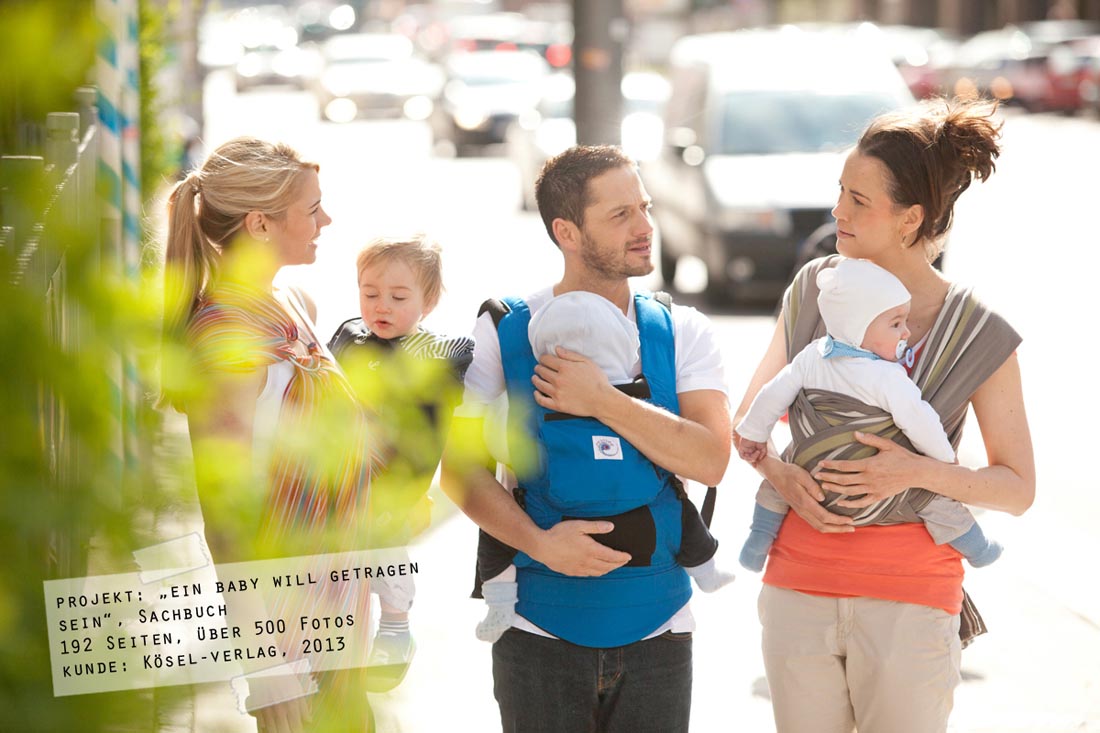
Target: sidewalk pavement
(1037, 671)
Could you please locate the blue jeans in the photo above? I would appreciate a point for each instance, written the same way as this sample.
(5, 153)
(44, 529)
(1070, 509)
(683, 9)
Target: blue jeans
(551, 686)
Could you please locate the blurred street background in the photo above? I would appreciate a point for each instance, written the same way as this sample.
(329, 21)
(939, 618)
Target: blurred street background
(435, 117)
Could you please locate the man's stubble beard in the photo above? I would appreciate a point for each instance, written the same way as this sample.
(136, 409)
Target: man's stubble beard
(607, 265)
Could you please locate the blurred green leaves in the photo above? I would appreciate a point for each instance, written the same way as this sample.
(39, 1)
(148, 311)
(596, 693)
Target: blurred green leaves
(159, 151)
(47, 50)
(71, 474)
(410, 401)
(76, 485)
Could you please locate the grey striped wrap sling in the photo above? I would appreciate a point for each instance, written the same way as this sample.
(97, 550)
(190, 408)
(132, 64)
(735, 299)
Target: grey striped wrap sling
(967, 344)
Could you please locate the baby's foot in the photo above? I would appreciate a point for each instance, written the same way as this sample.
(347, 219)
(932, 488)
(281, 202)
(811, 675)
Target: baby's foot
(501, 598)
(987, 556)
(976, 548)
(495, 623)
(390, 656)
(709, 577)
(755, 551)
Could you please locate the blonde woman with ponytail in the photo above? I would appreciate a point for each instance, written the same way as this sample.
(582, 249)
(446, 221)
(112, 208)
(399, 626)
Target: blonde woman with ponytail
(863, 625)
(278, 439)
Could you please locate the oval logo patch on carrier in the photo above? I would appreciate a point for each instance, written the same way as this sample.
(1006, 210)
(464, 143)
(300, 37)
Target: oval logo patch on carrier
(607, 448)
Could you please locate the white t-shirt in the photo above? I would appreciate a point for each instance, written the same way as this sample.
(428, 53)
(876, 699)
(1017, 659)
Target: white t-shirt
(699, 366)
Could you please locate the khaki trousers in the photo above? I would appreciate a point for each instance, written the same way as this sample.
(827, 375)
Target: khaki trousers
(838, 664)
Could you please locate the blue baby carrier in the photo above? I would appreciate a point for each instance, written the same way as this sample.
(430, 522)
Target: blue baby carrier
(585, 470)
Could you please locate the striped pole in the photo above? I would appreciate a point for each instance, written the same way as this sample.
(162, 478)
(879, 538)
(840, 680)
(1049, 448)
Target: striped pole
(118, 173)
(129, 58)
(109, 184)
(130, 94)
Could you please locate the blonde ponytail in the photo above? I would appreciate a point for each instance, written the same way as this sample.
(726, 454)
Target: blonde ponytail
(188, 257)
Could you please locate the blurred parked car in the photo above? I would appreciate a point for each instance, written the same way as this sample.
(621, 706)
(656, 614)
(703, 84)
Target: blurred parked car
(484, 32)
(1073, 76)
(551, 39)
(271, 53)
(753, 150)
(547, 130)
(983, 61)
(318, 20)
(485, 92)
(219, 40)
(375, 74)
(267, 65)
(1061, 89)
(1020, 64)
(1087, 72)
(921, 54)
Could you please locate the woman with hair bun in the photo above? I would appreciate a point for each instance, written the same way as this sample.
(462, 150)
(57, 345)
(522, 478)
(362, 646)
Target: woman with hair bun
(279, 441)
(863, 626)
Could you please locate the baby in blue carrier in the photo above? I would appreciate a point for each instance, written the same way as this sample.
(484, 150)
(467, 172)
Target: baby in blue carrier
(590, 325)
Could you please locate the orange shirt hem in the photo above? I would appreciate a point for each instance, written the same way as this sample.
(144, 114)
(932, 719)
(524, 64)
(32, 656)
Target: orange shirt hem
(897, 562)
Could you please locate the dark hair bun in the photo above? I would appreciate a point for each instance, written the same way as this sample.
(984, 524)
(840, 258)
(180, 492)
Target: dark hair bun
(969, 131)
(933, 152)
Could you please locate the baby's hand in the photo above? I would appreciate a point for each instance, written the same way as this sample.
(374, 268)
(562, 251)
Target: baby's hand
(752, 451)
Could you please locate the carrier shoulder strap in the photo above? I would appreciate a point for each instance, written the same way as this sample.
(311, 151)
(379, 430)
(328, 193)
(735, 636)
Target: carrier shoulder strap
(496, 309)
(707, 512)
(350, 331)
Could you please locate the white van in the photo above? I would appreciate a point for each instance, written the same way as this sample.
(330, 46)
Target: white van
(756, 128)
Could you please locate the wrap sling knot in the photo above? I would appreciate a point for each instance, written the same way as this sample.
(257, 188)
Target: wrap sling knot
(966, 345)
(319, 471)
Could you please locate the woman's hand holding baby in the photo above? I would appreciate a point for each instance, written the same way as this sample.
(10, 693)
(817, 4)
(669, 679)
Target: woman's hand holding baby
(799, 489)
(892, 470)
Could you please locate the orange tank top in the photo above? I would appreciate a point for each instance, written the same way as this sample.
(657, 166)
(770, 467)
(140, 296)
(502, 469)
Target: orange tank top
(898, 562)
